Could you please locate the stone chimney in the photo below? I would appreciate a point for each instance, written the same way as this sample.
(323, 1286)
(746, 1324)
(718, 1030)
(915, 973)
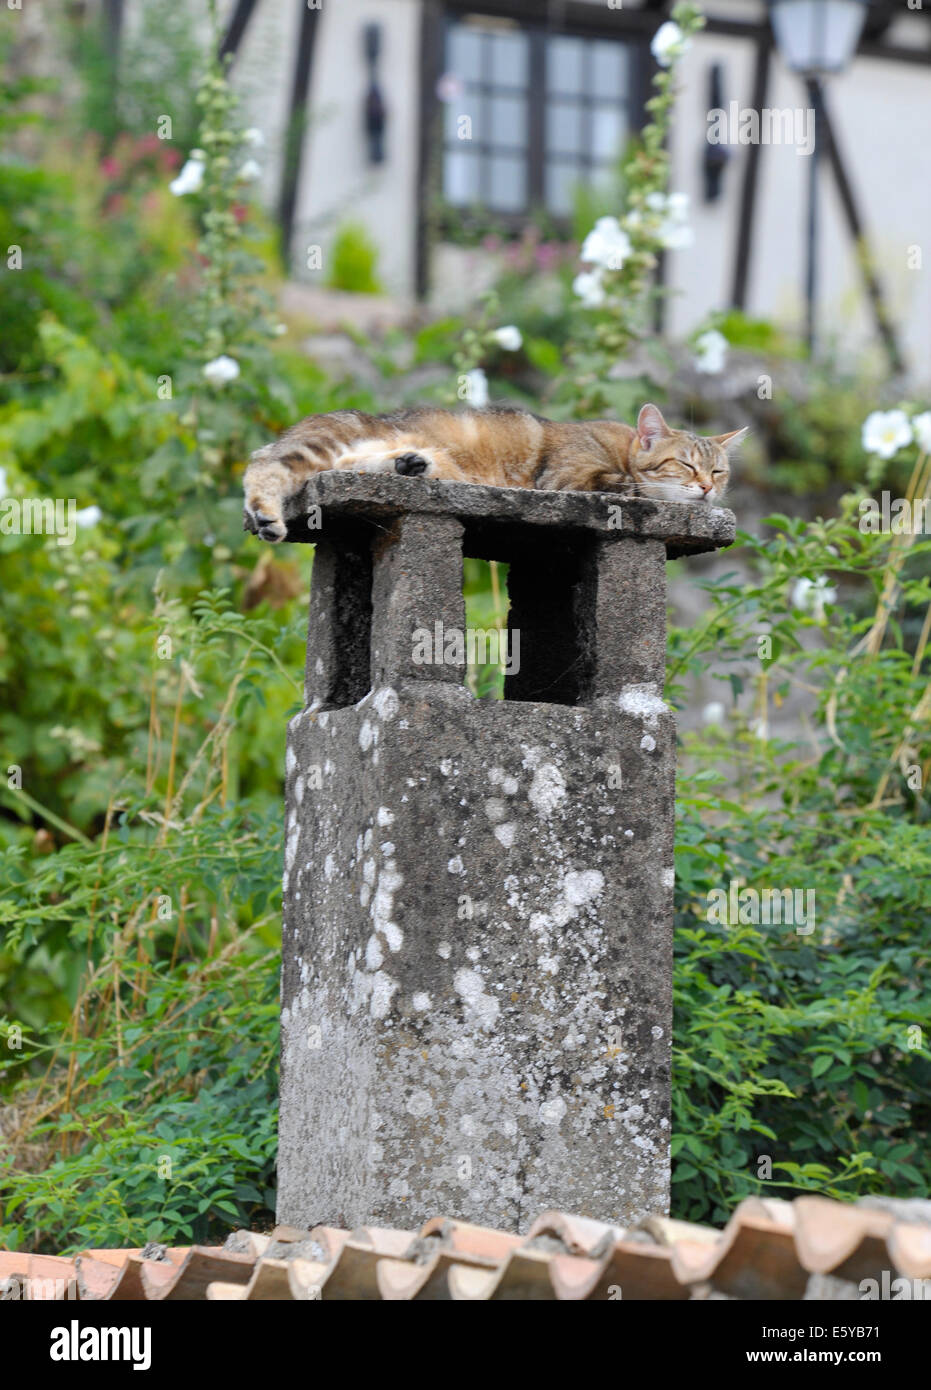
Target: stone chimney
(478, 895)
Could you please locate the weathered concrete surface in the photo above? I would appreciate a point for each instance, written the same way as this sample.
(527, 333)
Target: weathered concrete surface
(477, 949)
(685, 528)
(491, 1065)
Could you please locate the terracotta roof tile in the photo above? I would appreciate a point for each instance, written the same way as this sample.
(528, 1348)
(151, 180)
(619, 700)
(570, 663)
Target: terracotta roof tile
(201, 1266)
(848, 1242)
(770, 1249)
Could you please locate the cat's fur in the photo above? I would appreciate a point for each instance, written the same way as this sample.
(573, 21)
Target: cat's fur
(500, 447)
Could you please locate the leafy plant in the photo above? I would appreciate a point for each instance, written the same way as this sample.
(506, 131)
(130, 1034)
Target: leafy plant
(352, 261)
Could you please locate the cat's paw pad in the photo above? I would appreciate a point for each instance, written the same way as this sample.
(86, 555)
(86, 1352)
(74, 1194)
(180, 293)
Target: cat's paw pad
(270, 528)
(411, 465)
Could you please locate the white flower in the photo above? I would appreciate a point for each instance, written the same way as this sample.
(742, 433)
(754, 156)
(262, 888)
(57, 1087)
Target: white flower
(509, 337)
(254, 138)
(221, 370)
(711, 352)
(477, 388)
(589, 288)
(674, 232)
(280, 330)
(250, 171)
(922, 427)
(88, 516)
(607, 244)
(669, 44)
(885, 432)
(191, 177)
(3, 481)
(811, 595)
(713, 713)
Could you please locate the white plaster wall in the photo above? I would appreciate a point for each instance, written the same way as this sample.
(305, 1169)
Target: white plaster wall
(881, 112)
(337, 181)
(262, 76)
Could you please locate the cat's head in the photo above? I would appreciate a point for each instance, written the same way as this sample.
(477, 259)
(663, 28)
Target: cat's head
(676, 466)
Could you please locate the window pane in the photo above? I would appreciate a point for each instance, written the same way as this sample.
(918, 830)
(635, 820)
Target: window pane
(608, 77)
(507, 121)
(453, 111)
(565, 128)
(564, 65)
(608, 126)
(464, 56)
(508, 191)
(460, 176)
(559, 185)
(509, 60)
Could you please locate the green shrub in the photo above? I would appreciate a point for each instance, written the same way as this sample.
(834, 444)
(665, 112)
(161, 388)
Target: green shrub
(352, 261)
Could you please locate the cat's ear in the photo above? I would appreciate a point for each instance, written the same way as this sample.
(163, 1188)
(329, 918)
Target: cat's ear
(651, 426)
(730, 441)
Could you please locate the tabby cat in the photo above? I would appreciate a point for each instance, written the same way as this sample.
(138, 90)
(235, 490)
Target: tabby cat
(500, 446)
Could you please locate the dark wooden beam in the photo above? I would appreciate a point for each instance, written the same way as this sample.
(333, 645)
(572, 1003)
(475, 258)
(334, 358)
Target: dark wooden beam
(884, 325)
(751, 180)
(297, 122)
(599, 20)
(867, 48)
(112, 21)
(112, 29)
(237, 28)
(430, 140)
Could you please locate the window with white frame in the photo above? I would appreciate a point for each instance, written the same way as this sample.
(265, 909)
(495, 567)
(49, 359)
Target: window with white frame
(530, 114)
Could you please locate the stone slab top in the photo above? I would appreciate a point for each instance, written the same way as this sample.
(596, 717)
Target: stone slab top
(687, 528)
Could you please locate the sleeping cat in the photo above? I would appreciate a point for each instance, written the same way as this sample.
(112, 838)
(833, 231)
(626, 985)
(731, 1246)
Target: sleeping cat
(500, 447)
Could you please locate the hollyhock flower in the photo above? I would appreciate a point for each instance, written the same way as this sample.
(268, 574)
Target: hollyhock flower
(885, 432)
(477, 388)
(588, 286)
(254, 138)
(250, 171)
(710, 352)
(921, 425)
(607, 244)
(221, 370)
(669, 44)
(674, 233)
(548, 255)
(191, 177)
(87, 517)
(510, 338)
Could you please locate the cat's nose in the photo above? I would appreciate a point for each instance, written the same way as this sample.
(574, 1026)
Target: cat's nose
(706, 487)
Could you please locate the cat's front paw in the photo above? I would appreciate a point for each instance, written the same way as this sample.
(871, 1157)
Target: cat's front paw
(411, 465)
(270, 528)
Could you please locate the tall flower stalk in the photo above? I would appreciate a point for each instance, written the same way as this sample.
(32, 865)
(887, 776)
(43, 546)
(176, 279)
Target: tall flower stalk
(228, 312)
(232, 317)
(621, 253)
